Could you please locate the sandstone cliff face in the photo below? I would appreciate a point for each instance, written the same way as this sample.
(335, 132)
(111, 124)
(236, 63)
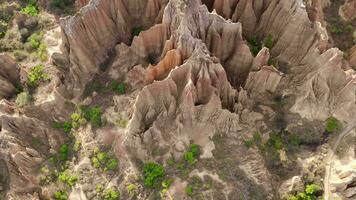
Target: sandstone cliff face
(102, 31)
(192, 78)
(348, 10)
(25, 143)
(9, 76)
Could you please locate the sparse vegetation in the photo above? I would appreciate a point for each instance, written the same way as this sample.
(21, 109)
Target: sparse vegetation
(23, 99)
(65, 126)
(97, 86)
(332, 125)
(77, 120)
(67, 178)
(132, 189)
(36, 75)
(104, 161)
(255, 140)
(30, 9)
(153, 174)
(61, 4)
(192, 154)
(60, 195)
(122, 123)
(42, 52)
(111, 194)
(268, 41)
(136, 31)
(63, 152)
(256, 45)
(118, 87)
(312, 192)
(93, 115)
(189, 190)
(35, 40)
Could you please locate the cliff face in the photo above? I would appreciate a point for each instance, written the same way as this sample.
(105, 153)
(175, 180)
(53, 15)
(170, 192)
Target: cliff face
(102, 31)
(213, 73)
(9, 76)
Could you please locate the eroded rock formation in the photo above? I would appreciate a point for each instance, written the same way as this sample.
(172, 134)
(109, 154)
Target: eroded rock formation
(348, 10)
(9, 76)
(193, 78)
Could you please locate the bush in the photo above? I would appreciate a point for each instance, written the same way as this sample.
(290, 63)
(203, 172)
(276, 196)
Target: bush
(112, 164)
(30, 9)
(61, 3)
(275, 141)
(60, 195)
(153, 174)
(3, 28)
(93, 115)
(36, 75)
(312, 192)
(132, 189)
(77, 120)
(65, 126)
(189, 190)
(23, 99)
(104, 161)
(111, 194)
(42, 52)
(136, 31)
(332, 125)
(35, 40)
(268, 41)
(19, 55)
(118, 87)
(255, 46)
(67, 178)
(63, 152)
(192, 154)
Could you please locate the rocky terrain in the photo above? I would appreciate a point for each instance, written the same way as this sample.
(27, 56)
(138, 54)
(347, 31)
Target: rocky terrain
(177, 99)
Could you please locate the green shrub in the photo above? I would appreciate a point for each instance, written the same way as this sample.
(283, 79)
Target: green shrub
(42, 52)
(312, 192)
(77, 120)
(136, 31)
(275, 141)
(248, 143)
(67, 178)
(104, 161)
(118, 87)
(255, 46)
(189, 190)
(192, 154)
(332, 125)
(122, 123)
(63, 152)
(60, 195)
(30, 10)
(35, 40)
(93, 115)
(36, 75)
(77, 145)
(111, 194)
(3, 28)
(23, 99)
(61, 3)
(153, 174)
(112, 164)
(65, 126)
(132, 189)
(268, 41)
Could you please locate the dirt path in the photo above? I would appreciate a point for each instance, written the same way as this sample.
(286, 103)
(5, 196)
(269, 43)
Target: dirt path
(331, 155)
